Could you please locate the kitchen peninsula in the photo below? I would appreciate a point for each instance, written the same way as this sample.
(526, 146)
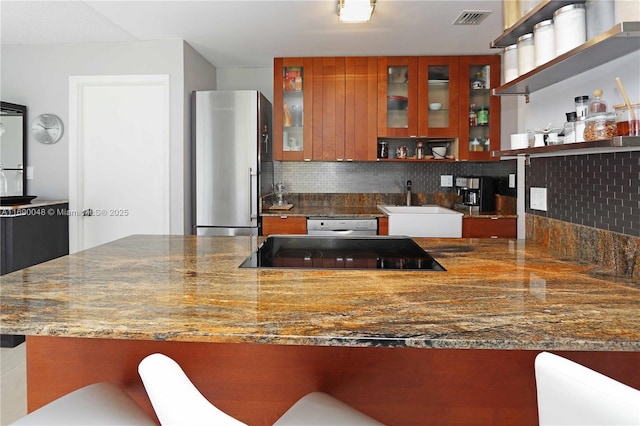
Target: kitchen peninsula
(405, 347)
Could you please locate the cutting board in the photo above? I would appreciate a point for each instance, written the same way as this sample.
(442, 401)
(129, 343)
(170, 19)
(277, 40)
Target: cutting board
(281, 207)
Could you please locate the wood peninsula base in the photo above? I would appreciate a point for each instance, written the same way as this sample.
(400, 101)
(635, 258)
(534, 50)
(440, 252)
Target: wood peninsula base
(256, 383)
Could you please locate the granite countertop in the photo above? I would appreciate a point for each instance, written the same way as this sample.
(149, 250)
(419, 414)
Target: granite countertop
(371, 211)
(496, 294)
(326, 211)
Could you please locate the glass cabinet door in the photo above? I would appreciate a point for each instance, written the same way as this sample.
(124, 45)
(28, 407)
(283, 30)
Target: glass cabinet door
(480, 118)
(398, 97)
(397, 104)
(479, 109)
(292, 92)
(438, 96)
(292, 109)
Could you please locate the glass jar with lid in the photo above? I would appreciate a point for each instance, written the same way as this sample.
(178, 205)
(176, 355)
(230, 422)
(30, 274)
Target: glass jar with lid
(597, 105)
(600, 126)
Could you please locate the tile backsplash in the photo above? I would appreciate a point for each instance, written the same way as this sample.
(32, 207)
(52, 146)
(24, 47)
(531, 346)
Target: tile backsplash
(380, 177)
(598, 190)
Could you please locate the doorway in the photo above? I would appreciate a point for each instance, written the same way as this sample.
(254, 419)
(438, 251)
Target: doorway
(118, 158)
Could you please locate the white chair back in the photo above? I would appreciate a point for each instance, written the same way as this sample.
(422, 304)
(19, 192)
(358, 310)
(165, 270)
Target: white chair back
(175, 399)
(571, 394)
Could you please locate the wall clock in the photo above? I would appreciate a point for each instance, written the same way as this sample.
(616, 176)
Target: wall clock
(47, 128)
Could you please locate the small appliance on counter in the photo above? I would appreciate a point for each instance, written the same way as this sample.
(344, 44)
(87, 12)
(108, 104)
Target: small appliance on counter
(475, 194)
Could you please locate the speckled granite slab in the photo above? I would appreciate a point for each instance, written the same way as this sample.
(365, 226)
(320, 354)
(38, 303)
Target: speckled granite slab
(496, 294)
(613, 253)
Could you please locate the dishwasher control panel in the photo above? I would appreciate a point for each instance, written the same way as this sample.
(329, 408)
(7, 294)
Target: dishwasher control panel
(342, 225)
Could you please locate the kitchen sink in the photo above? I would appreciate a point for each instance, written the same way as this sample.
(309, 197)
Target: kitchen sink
(423, 221)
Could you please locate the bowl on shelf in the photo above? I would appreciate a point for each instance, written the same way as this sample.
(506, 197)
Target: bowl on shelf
(397, 102)
(435, 106)
(439, 152)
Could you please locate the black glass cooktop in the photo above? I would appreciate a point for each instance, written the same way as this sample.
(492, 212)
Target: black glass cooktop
(328, 252)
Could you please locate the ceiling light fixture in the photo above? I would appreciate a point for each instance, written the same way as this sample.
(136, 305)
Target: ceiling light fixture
(355, 10)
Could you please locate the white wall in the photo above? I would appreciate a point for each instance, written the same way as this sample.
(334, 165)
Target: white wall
(38, 76)
(199, 74)
(247, 79)
(551, 103)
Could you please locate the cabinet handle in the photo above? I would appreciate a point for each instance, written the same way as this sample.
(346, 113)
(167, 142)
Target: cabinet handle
(494, 218)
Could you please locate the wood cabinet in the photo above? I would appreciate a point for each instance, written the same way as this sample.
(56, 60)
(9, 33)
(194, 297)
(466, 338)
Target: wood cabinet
(361, 132)
(418, 96)
(478, 75)
(284, 225)
(339, 102)
(293, 108)
(438, 84)
(489, 227)
(397, 96)
(383, 226)
(347, 103)
(328, 124)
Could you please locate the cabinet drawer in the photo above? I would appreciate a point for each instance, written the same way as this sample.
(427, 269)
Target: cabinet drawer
(488, 227)
(284, 225)
(383, 226)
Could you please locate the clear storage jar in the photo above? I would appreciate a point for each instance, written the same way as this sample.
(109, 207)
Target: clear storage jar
(510, 63)
(526, 54)
(628, 119)
(600, 126)
(582, 106)
(569, 24)
(544, 42)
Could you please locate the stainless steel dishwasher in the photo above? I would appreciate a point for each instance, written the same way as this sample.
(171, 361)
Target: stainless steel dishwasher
(342, 226)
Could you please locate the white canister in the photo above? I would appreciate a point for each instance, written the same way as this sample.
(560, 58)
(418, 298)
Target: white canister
(600, 16)
(544, 42)
(526, 54)
(510, 63)
(519, 140)
(569, 24)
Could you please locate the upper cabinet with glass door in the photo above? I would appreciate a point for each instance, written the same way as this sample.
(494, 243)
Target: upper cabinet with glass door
(397, 96)
(292, 121)
(480, 127)
(438, 96)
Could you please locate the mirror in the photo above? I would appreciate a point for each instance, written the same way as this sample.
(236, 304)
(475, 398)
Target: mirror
(13, 148)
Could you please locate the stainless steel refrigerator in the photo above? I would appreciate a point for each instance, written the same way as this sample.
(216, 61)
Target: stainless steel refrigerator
(232, 167)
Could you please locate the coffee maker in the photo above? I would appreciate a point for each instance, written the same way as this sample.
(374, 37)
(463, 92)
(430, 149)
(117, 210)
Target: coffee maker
(475, 194)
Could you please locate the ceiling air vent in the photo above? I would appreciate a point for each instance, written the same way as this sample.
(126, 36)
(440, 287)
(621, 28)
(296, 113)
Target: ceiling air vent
(471, 17)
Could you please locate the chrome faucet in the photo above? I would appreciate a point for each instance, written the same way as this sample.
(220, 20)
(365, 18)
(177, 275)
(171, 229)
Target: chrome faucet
(408, 192)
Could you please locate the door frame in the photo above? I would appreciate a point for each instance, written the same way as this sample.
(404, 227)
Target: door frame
(77, 84)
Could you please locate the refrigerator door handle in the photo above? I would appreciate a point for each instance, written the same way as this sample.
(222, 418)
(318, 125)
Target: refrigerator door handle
(265, 139)
(252, 215)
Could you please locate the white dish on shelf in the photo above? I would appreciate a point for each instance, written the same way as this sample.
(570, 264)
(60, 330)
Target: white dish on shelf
(435, 106)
